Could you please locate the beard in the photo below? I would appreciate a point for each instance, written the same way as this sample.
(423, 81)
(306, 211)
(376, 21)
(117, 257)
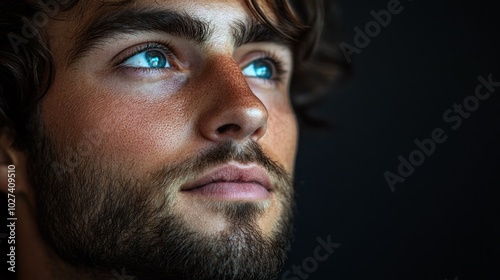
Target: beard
(102, 221)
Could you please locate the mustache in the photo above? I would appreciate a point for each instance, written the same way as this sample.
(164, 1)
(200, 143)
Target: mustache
(250, 152)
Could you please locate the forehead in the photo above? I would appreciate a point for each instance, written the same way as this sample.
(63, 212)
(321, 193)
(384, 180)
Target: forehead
(86, 9)
(216, 12)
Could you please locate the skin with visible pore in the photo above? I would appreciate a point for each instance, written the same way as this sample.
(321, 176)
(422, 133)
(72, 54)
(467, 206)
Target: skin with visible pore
(141, 105)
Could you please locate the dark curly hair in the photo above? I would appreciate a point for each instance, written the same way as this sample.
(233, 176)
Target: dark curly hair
(27, 70)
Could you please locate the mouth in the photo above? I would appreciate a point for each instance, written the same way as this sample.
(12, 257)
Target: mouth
(232, 181)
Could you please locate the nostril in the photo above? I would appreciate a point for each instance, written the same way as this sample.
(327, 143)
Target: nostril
(228, 127)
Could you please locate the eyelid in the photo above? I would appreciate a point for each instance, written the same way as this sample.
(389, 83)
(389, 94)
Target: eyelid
(132, 51)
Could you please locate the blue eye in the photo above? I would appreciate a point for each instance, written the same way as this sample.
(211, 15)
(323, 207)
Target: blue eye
(148, 59)
(260, 69)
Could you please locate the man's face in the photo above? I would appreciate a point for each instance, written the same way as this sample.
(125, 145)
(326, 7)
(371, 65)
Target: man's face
(167, 148)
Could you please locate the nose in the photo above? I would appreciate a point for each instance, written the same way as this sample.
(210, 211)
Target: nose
(231, 111)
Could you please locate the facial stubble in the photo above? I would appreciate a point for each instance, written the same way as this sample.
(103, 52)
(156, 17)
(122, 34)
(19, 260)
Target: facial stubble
(98, 219)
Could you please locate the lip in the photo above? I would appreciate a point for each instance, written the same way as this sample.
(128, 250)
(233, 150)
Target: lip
(232, 181)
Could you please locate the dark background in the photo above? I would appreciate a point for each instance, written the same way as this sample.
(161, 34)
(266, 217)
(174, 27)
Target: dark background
(442, 222)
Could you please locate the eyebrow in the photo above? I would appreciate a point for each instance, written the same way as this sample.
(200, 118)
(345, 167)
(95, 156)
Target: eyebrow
(251, 32)
(176, 23)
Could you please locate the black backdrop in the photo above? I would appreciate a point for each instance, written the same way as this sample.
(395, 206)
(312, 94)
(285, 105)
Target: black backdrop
(441, 222)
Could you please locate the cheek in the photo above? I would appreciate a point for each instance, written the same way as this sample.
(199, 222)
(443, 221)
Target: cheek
(116, 126)
(280, 141)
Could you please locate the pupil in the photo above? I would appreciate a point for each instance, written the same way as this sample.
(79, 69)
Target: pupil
(263, 70)
(156, 59)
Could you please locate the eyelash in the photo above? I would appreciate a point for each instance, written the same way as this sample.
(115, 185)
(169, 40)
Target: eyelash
(163, 46)
(278, 65)
(276, 61)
